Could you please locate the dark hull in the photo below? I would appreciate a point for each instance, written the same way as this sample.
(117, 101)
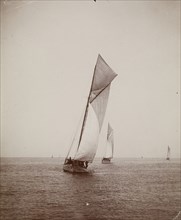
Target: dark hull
(106, 161)
(74, 168)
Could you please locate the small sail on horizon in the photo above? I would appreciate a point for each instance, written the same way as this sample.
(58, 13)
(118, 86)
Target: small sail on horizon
(168, 153)
(85, 143)
(109, 146)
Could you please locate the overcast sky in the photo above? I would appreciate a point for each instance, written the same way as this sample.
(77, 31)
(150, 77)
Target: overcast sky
(49, 50)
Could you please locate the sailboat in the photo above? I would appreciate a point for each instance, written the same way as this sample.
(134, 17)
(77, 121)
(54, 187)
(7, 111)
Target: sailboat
(84, 145)
(109, 146)
(168, 154)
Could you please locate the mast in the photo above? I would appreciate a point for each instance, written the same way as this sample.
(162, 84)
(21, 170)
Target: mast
(86, 109)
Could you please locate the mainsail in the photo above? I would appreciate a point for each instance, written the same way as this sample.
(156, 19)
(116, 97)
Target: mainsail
(85, 143)
(109, 143)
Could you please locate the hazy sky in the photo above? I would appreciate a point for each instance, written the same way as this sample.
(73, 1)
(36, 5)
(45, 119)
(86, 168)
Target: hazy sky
(49, 50)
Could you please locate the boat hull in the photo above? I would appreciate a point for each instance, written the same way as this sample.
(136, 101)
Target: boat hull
(74, 169)
(106, 161)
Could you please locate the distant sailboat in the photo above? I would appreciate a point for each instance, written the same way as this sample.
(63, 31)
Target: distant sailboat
(109, 146)
(85, 143)
(168, 154)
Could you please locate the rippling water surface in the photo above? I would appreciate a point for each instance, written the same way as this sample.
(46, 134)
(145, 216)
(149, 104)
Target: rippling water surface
(37, 188)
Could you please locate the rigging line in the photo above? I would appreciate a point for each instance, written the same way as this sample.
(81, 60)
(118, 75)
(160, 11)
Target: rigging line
(112, 144)
(77, 127)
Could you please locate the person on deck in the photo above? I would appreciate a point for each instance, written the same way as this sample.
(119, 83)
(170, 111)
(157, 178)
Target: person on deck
(86, 164)
(81, 163)
(69, 160)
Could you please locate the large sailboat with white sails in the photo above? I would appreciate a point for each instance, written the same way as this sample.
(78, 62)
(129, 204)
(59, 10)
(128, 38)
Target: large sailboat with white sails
(84, 146)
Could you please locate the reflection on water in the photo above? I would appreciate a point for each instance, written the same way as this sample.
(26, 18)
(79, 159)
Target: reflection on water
(37, 188)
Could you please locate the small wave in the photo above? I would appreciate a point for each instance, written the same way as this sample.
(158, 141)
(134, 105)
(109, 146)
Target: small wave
(177, 216)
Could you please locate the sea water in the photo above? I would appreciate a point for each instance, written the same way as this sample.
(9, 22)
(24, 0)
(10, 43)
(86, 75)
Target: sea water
(37, 188)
